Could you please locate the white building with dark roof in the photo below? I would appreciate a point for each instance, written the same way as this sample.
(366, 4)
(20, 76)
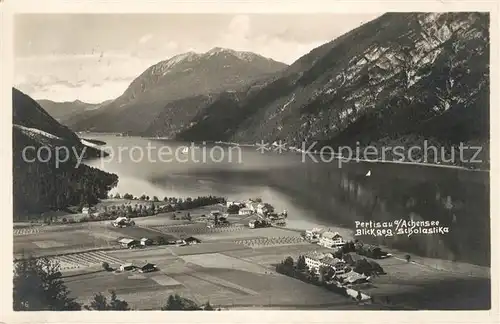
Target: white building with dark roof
(353, 277)
(128, 242)
(315, 260)
(245, 211)
(331, 240)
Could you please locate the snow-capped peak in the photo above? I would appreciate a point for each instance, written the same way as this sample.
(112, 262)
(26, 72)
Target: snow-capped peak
(165, 66)
(245, 56)
(217, 50)
(188, 56)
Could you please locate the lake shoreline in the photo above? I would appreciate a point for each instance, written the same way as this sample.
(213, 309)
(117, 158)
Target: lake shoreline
(299, 151)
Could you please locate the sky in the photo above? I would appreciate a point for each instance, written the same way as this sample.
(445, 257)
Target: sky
(94, 57)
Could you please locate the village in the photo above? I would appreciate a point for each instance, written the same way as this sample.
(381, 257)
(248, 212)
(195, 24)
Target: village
(242, 249)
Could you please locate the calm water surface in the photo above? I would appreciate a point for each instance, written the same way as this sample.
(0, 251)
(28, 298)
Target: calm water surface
(319, 193)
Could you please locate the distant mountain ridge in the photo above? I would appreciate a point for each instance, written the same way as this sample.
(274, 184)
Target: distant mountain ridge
(182, 76)
(401, 78)
(65, 112)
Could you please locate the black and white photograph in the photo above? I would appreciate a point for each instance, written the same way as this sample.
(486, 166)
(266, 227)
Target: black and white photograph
(251, 161)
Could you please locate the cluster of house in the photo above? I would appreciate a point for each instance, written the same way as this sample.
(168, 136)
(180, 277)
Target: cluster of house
(122, 222)
(325, 238)
(91, 211)
(259, 223)
(265, 212)
(148, 267)
(341, 270)
(249, 207)
(130, 243)
(215, 218)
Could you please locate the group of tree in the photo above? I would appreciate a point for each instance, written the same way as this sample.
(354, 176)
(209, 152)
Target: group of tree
(148, 209)
(39, 285)
(362, 265)
(176, 302)
(186, 216)
(190, 203)
(38, 187)
(358, 247)
(233, 209)
(179, 203)
(100, 302)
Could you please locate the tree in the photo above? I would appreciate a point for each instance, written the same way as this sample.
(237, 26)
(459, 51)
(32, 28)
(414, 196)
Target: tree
(312, 276)
(289, 262)
(128, 196)
(176, 302)
(348, 247)
(100, 303)
(117, 304)
(359, 297)
(38, 285)
(105, 266)
(155, 198)
(301, 263)
(324, 273)
(117, 196)
(233, 209)
(143, 197)
(286, 267)
(208, 307)
(160, 240)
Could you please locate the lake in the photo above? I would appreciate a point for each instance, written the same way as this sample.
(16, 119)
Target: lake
(317, 192)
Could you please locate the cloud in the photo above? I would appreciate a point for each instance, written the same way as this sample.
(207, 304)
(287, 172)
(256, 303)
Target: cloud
(240, 26)
(241, 35)
(73, 76)
(89, 92)
(146, 38)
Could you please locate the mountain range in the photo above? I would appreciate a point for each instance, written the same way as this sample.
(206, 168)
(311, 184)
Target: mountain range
(66, 112)
(152, 95)
(399, 80)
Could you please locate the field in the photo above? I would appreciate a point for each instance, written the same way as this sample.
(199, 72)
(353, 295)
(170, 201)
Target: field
(420, 286)
(71, 238)
(63, 239)
(201, 274)
(233, 266)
